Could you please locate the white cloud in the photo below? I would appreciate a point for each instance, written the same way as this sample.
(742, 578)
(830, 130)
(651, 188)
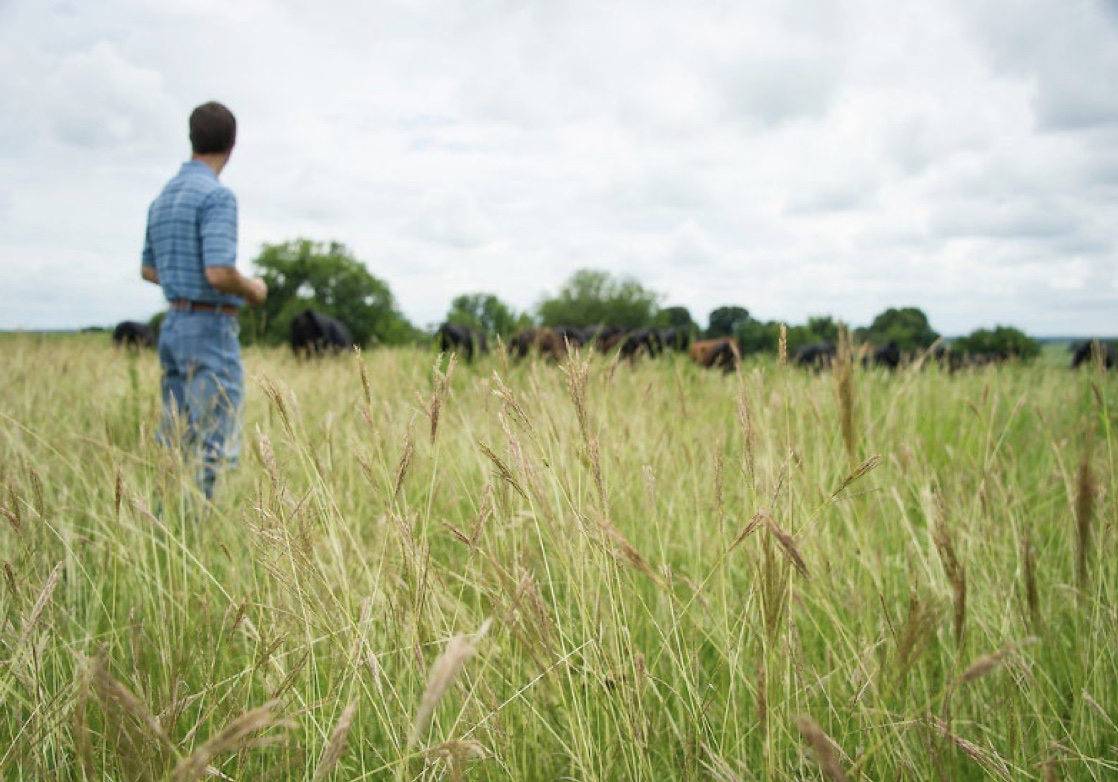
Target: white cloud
(803, 158)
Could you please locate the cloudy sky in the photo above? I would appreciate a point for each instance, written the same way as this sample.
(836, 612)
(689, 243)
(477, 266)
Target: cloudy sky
(797, 158)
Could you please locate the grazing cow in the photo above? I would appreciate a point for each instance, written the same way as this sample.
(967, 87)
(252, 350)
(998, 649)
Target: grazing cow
(646, 340)
(134, 335)
(463, 340)
(887, 355)
(1092, 350)
(610, 340)
(678, 339)
(723, 353)
(314, 333)
(815, 355)
(545, 340)
(575, 336)
(608, 337)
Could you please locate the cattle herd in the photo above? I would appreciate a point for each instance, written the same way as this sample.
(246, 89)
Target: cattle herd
(315, 333)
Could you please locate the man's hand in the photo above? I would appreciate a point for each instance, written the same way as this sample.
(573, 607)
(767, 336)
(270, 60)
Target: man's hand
(228, 280)
(256, 291)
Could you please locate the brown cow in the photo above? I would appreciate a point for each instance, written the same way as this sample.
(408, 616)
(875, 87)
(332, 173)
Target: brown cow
(545, 340)
(722, 352)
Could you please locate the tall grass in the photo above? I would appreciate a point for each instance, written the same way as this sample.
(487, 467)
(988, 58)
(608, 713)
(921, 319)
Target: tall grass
(431, 570)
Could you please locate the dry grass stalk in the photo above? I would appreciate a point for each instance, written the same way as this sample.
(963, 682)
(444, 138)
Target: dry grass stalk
(14, 513)
(404, 463)
(717, 767)
(749, 439)
(36, 612)
(989, 760)
(919, 628)
(459, 649)
(456, 753)
(10, 580)
(1094, 704)
(955, 571)
(37, 491)
(782, 345)
(787, 546)
(336, 746)
(824, 748)
(442, 388)
(844, 386)
(1032, 594)
(139, 738)
(232, 736)
(273, 393)
(857, 473)
(624, 551)
(988, 662)
(762, 693)
(83, 746)
(365, 388)
(502, 470)
(267, 457)
(12, 517)
(1085, 490)
(118, 492)
(511, 404)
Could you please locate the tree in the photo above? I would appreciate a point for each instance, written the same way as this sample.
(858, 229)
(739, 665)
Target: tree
(678, 318)
(908, 327)
(724, 321)
(486, 312)
(757, 337)
(1002, 341)
(328, 278)
(590, 298)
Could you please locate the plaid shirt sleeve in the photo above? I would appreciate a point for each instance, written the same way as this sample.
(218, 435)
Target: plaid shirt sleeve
(148, 258)
(218, 229)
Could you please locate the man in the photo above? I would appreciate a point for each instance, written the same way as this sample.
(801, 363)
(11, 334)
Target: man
(190, 250)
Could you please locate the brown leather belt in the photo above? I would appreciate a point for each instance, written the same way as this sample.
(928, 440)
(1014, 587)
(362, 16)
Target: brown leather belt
(184, 305)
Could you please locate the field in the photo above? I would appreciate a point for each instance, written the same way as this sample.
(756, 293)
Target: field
(536, 572)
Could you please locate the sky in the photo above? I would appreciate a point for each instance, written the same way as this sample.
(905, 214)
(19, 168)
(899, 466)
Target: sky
(798, 158)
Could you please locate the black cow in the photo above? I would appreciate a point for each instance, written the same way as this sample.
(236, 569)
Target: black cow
(608, 337)
(575, 336)
(646, 340)
(814, 354)
(465, 341)
(313, 333)
(887, 355)
(677, 339)
(1087, 351)
(134, 335)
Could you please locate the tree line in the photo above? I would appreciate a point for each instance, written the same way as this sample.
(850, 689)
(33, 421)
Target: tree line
(328, 277)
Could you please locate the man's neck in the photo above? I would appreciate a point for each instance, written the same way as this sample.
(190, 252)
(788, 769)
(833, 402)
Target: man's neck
(215, 160)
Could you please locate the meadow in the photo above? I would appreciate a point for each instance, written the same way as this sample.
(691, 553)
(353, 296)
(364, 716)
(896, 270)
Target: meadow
(429, 570)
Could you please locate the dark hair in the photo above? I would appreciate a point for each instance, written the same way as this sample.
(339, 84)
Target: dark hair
(213, 129)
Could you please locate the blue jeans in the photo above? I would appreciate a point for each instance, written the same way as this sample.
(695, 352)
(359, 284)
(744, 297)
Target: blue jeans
(203, 387)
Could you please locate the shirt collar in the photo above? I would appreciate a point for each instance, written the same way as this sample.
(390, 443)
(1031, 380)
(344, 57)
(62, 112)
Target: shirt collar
(197, 166)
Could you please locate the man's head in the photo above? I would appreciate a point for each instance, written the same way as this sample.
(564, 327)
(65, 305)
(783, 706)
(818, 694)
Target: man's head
(213, 129)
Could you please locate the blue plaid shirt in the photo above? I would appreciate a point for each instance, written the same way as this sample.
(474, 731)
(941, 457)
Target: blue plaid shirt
(192, 224)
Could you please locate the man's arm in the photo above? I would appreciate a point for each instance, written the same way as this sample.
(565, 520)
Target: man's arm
(228, 280)
(150, 273)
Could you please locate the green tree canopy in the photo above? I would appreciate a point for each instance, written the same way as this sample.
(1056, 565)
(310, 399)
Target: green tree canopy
(328, 278)
(1004, 340)
(724, 321)
(675, 318)
(486, 312)
(593, 297)
(758, 337)
(907, 326)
